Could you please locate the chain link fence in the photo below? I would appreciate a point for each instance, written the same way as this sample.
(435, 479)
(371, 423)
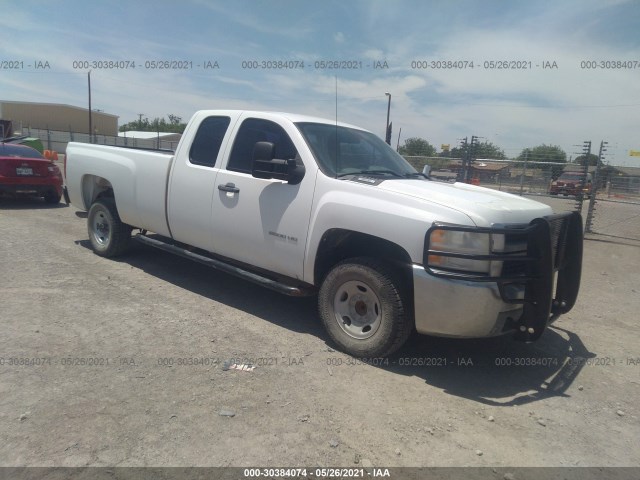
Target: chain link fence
(527, 178)
(57, 140)
(607, 198)
(614, 204)
(611, 205)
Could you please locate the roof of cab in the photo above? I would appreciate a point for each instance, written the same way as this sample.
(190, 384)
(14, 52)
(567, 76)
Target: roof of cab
(292, 117)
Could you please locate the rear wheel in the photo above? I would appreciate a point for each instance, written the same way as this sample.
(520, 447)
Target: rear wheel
(52, 197)
(109, 237)
(364, 308)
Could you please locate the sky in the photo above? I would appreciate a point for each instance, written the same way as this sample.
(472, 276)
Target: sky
(514, 73)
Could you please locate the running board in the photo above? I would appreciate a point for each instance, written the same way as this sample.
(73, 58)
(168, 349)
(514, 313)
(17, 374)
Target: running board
(227, 268)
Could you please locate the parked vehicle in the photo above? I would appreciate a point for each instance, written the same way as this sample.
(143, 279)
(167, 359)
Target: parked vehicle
(23, 170)
(571, 183)
(32, 142)
(309, 206)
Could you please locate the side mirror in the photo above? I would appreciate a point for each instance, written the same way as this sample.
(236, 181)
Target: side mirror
(264, 165)
(426, 170)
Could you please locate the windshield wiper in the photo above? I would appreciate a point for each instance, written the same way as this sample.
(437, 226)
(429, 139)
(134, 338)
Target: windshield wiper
(372, 172)
(416, 174)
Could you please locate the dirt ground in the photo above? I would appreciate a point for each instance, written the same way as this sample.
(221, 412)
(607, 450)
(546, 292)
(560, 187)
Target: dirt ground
(123, 363)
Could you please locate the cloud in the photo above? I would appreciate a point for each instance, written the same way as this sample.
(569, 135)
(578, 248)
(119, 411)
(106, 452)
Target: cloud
(514, 109)
(374, 54)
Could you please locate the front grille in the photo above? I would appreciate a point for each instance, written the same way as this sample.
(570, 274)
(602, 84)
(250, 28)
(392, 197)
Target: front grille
(514, 268)
(559, 230)
(544, 258)
(515, 244)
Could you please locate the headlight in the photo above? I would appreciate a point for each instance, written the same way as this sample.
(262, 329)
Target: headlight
(445, 240)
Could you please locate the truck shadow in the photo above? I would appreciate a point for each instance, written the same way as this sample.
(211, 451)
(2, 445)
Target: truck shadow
(293, 313)
(494, 371)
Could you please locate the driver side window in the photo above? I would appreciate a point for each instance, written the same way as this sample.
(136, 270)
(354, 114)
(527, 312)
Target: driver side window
(255, 130)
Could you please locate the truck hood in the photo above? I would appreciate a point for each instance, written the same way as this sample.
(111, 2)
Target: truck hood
(483, 205)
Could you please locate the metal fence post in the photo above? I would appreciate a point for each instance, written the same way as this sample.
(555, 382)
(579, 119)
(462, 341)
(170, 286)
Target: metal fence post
(588, 224)
(524, 171)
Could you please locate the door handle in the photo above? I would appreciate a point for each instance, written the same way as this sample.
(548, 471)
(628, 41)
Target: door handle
(229, 187)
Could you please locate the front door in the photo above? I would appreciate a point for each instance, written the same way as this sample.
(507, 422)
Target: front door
(261, 222)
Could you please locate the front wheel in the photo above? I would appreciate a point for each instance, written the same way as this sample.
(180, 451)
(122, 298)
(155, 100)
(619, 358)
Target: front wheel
(109, 237)
(364, 307)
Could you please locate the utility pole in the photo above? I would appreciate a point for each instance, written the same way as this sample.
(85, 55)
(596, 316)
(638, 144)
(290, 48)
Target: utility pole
(469, 157)
(524, 170)
(90, 116)
(586, 153)
(462, 173)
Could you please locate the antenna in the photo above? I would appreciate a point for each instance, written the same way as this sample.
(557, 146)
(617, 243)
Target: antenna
(336, 139)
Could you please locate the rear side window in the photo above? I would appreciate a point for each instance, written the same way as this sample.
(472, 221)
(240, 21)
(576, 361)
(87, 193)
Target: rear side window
(208, 139)
(18, 151)
(255, 130)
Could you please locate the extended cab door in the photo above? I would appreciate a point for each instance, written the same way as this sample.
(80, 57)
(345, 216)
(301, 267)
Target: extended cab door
(263, 222)
(193, 179)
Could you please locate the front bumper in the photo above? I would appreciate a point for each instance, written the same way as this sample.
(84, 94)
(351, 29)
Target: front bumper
(457, 308)
(532, 291)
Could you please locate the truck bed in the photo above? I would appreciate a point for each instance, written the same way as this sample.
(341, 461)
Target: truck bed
(138, 178)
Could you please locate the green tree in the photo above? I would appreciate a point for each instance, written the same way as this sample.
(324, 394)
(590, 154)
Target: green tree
(174, 125)
(480, 150)
(489, 150)
(174, 119)
(417, 147)
(544, 153)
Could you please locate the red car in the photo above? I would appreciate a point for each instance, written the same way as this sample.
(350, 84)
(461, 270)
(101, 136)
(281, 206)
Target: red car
(571, 183)
(24, 170)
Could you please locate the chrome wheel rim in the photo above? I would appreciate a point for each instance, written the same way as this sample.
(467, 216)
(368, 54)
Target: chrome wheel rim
(357, 309)
(101, 229)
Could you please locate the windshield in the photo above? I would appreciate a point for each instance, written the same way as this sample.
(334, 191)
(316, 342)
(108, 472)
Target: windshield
(342, 151)
(572, 177)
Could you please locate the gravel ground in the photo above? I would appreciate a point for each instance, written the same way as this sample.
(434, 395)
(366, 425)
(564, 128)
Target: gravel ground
(123, 363)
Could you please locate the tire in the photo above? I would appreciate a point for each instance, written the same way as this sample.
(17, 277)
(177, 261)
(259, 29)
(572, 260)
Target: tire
(52, 197)
(365, 307)
(109, 237)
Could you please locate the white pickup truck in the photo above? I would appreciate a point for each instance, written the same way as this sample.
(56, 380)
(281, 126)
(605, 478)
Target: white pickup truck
(305, 205)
